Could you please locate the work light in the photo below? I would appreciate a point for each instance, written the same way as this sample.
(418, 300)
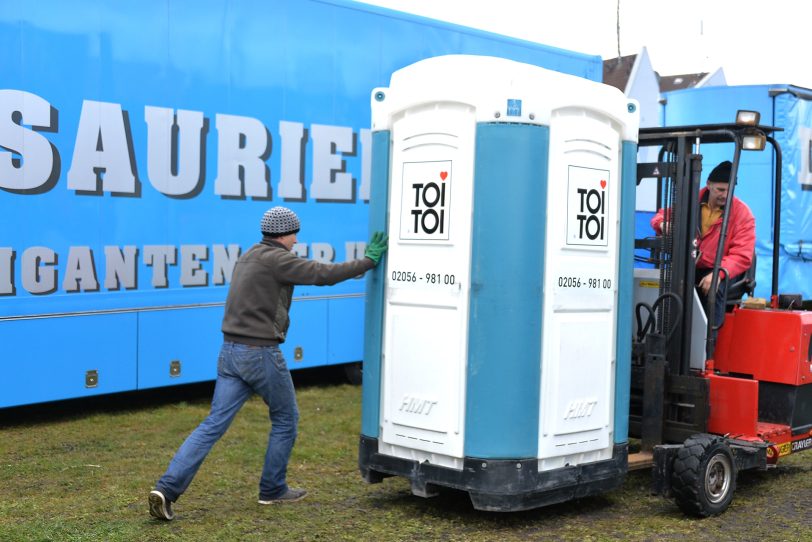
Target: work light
(747, 118)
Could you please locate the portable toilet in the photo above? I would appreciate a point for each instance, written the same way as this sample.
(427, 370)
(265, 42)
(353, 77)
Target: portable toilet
(497, 352)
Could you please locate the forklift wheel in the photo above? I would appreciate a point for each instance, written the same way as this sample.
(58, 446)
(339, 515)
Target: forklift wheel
(704, 476)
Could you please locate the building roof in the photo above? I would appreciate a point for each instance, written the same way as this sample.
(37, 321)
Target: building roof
(677, 82)
(616, 71)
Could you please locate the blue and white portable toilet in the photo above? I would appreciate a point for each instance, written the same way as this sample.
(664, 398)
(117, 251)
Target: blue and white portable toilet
(497, 352)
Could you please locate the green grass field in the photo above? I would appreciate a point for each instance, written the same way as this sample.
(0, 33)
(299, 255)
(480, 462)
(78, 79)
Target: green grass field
(83, 473)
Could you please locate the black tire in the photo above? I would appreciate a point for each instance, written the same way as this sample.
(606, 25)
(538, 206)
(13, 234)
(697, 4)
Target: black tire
(704, 476)
(354, 372)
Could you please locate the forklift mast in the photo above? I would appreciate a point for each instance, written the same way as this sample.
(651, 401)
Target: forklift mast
(668, 403)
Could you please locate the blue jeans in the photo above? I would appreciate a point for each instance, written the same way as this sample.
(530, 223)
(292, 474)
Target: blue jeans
(720, 303)
(241, 371)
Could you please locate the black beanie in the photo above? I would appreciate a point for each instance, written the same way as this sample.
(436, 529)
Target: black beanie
(721, 173)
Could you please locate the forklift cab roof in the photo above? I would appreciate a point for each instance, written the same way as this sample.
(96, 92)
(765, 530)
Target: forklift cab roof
(678, 171)
(708, 133)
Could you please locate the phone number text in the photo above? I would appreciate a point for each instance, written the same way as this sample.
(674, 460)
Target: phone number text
(426, 278)
(594, 283)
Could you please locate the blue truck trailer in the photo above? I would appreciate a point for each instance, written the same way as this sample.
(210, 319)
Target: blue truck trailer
(789, 108)
(140, 145)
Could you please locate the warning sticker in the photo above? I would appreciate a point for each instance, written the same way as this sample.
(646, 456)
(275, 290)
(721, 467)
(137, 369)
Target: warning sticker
(587, 206)
(425, 206)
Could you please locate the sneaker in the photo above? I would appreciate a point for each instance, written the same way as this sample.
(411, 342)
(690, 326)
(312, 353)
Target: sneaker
(159, 507)
(291, 495)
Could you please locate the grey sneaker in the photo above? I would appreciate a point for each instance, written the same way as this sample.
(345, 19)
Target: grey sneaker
(291, 495)
(159, 507)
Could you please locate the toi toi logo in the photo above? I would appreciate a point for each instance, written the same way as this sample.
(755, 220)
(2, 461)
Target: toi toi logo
(588, 207)
(425, 212)
(592, 211)
(429, 206)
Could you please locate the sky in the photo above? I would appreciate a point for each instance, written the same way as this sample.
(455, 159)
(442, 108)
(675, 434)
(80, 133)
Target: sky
(699, 36)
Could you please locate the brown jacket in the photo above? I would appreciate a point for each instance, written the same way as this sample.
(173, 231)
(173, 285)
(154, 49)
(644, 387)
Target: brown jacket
(262, 289)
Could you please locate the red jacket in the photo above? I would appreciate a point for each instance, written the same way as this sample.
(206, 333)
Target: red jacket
(741, 238)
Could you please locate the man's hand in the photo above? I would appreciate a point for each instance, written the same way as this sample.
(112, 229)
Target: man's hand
(705, 283)
(376, 246)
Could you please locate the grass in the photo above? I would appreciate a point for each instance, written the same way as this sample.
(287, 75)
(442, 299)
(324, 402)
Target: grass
(83, 473)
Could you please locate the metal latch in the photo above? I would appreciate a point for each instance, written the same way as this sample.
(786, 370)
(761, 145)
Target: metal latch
(91, 378)
(174, 368)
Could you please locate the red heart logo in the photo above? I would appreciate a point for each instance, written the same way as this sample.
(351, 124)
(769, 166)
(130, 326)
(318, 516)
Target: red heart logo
(603, 183)
(443, 175)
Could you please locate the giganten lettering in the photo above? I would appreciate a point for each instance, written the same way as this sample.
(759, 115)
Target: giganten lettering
(41, 270)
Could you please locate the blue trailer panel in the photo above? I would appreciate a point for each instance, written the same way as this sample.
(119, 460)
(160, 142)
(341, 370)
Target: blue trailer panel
(789, 108)
(141, 143)
(48, 358)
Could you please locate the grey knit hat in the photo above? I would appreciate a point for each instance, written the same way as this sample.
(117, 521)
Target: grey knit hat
(279, 221)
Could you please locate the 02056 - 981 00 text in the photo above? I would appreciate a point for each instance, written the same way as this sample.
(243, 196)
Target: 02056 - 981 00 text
(427, 278)
(594, 283)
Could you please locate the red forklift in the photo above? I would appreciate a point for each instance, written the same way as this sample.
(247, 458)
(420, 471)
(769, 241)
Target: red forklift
(710, 401)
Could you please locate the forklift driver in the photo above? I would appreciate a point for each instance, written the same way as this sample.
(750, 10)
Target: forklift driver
(741, 238)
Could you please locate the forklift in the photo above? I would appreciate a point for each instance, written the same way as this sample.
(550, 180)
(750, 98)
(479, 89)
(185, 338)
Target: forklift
(710, 401)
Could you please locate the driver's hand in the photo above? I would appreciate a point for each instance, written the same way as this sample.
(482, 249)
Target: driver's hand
(705, 283)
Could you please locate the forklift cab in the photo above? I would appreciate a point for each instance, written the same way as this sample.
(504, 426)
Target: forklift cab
(679, 179)
(676, 407)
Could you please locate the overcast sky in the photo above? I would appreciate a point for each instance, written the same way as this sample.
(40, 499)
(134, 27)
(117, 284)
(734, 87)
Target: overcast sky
(754, 41)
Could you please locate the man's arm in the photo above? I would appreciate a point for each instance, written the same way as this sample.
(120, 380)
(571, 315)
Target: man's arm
(295, 270)
(741, 243)
(662, 215)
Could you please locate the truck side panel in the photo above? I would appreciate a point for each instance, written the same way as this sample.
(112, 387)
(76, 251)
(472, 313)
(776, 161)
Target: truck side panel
(140, 145)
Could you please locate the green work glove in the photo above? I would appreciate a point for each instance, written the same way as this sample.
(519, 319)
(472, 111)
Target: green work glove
(376, 246)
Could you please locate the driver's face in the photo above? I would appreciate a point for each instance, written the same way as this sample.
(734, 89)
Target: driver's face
(717, 196)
